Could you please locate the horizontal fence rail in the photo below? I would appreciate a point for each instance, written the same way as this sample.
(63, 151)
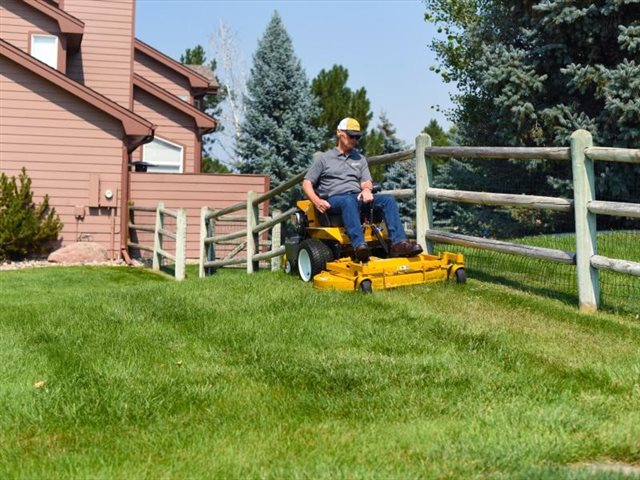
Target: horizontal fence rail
(501, 199)
(549, 254)
(516, 153)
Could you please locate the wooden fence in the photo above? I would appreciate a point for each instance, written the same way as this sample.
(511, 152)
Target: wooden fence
(159, 233)
(585, 206)
(582, 155)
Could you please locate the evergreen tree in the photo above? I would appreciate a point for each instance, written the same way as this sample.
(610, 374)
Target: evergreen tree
(277, 136)
(211, 106)
(338, 101)
(25, 228)
(529, 74)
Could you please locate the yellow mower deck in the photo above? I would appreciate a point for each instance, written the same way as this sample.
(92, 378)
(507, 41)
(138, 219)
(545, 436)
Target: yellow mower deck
(379, 273)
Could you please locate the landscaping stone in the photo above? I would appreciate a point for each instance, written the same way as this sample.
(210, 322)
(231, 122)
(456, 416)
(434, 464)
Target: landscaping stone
(81, 252)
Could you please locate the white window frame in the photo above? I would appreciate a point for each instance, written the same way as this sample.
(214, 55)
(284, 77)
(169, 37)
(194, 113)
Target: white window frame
(52, 62)
(161, 167)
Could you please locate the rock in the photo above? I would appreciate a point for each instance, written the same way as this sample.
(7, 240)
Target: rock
(81, 252)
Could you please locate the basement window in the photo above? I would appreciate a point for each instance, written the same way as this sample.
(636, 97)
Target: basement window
(45, 49)
(163, 156)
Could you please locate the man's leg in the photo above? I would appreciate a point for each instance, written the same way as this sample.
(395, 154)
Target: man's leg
(349, 207)
(400, 247)
(389, 208)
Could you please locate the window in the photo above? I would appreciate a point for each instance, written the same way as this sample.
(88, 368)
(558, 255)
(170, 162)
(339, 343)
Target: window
(45, 49)
(164, 156)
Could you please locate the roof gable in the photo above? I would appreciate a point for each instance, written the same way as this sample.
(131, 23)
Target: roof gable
(203, 121)
(199, 83)
(137, 130)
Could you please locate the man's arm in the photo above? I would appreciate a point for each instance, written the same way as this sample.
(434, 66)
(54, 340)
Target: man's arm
(366, 194)
(319, 203)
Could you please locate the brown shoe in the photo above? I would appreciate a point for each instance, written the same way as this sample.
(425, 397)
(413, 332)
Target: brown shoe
(362, 253)
(405, 249)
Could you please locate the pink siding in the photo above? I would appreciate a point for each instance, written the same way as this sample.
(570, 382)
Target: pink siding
(104, 62)
(172, 125)
(191, 192)
(161, 75)
(62, 142)
(18, 20)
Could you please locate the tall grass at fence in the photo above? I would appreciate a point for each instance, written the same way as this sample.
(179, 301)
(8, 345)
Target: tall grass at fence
(619, 292)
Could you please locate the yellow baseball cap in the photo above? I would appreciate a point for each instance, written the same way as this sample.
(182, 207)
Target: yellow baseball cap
(351, 126)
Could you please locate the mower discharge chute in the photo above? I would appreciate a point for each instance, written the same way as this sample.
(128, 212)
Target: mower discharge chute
(320, 251)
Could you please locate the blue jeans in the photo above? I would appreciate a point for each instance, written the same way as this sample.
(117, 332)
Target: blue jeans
(348, 205)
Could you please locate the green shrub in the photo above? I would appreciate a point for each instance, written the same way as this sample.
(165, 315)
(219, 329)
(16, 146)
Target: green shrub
(25, 228)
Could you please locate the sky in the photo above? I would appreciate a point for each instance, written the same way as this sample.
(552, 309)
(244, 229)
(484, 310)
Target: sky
(383, 44)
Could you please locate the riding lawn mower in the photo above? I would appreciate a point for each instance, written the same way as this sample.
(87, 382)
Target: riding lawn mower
(320, 250)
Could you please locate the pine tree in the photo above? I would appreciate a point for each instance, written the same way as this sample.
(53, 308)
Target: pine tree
(25, 228)
(211, 106)
(529, 74)
(277, 137)
(338, 101)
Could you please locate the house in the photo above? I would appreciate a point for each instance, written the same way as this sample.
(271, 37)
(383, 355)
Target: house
(83, 102)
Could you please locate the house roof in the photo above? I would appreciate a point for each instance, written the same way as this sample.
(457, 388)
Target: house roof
(137, 130)
(203, 121)
(199, 83)
(68, 24)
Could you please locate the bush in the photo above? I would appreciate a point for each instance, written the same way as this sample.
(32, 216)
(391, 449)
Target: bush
(25, 228)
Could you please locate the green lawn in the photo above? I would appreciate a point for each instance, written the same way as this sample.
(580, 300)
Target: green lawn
(261, 376)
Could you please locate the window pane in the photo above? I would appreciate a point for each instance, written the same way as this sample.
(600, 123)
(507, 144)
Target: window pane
(163, 155)
(45, 49)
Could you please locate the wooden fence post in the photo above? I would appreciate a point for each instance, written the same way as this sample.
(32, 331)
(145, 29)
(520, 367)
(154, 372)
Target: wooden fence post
(276, 232)
(424, 205)
(252, 239)
(586, 230)
(203, 245)
(181, 244)
(157, 237)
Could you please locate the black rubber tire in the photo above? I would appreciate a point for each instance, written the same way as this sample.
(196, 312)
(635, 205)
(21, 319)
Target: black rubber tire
(313, 256)
(461, 276)
(365, 286)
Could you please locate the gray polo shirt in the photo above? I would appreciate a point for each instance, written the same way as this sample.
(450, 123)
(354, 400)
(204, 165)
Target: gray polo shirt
(332, 172)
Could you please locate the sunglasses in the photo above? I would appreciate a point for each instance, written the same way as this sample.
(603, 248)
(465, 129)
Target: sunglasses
(353, 136)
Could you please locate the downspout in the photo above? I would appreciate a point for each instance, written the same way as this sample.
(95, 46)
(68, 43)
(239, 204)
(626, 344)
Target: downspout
(124, 205)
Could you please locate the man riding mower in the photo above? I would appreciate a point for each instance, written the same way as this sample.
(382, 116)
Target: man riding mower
(321, 251)
(339, 184)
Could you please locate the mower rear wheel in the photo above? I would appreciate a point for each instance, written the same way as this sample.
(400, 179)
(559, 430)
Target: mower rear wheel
(312, 258)
(461, 276)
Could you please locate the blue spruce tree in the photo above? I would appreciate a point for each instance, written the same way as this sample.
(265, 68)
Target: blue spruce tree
(529, 74)
(277, 137)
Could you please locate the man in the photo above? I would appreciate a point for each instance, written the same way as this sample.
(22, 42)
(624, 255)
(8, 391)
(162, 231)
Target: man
(342, 176)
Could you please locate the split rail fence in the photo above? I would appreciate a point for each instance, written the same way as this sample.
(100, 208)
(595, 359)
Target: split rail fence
(158, 252)
(585, 206)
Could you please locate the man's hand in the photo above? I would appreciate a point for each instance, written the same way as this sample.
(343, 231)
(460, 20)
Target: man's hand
(366, 196)
(322, 205)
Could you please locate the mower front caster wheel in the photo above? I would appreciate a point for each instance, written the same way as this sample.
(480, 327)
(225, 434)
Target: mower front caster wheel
(365, 286)
(461, 276)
